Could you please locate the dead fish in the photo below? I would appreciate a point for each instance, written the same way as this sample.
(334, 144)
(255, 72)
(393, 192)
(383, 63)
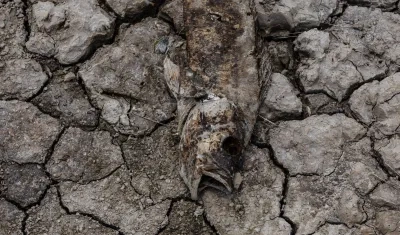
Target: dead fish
(213, 75)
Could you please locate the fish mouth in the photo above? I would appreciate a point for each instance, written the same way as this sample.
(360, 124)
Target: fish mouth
(217, 181)
(207, 175)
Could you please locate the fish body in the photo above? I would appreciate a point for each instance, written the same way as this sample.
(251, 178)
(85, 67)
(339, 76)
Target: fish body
(214, 76)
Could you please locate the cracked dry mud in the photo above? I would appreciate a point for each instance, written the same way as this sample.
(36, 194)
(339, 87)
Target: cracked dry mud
(89, 130)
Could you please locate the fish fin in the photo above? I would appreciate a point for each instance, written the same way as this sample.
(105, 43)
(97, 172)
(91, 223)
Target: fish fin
(172, 74)
(184, 108)
(264, 73)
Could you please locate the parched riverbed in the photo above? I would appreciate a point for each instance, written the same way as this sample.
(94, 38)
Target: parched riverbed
(89, 137)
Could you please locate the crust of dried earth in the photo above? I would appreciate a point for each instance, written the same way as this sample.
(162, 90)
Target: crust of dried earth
(90, 128)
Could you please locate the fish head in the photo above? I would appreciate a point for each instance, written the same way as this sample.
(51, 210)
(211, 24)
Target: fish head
(212, 144)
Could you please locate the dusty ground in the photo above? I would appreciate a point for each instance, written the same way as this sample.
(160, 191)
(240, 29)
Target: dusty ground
(88, 141)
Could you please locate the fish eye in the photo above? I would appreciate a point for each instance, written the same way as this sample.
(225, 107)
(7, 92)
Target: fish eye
(231, 145)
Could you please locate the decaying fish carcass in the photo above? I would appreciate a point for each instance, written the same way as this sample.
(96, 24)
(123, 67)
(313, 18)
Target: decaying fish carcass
(214, 76)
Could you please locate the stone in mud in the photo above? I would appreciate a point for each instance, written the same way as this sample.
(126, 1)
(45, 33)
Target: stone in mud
(377, 104)
(256, 206)
(20, 79)
(65, 98)
(114, 201)
(11, 219)
(186, 219)
(307, 14)
(338, 197)
(281, 99)
(131, 9)
(42, 44)
(82, 156)
(274, 25)
(264, 5)
(68, 30)
(12, 31)
(313, 43)
(389, 150)
(313, 145)
(125, 80)
(26, 134)
(320, 103)
(50, 218)
(23, 184)
(172, 10)
(154, 164)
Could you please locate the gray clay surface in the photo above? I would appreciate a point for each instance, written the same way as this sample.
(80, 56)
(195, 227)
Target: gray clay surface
(89, 129)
